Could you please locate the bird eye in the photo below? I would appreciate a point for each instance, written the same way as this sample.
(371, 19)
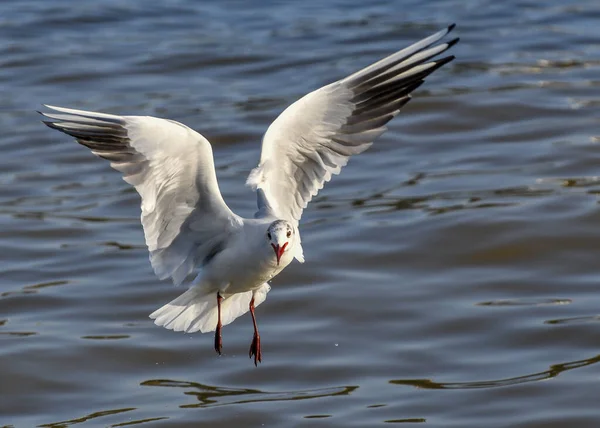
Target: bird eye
(269, 235)
(289, 233)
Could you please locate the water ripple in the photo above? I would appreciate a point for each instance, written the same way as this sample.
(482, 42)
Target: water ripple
(91, 416)
(212, 396)
(551, 373)
(442, 251)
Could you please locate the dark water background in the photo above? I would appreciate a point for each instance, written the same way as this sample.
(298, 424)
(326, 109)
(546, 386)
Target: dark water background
(452, 275)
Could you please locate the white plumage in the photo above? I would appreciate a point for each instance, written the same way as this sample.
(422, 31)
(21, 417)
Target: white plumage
(188, 226)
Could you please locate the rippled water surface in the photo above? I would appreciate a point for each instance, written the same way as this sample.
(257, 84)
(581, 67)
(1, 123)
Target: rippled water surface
(452, 270)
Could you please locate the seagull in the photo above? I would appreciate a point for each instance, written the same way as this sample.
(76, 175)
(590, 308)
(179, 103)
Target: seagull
(193, 236)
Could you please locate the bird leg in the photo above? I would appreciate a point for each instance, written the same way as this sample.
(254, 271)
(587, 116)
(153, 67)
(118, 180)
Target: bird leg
(255, 346)
(218, 340)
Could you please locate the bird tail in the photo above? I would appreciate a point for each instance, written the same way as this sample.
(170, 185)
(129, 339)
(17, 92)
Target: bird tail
(196, 309)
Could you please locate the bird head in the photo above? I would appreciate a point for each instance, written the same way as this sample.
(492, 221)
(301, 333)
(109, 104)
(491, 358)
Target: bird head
(280, 235)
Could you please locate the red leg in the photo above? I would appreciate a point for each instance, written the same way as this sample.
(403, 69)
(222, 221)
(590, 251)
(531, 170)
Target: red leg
(255, 346)
(218, 340)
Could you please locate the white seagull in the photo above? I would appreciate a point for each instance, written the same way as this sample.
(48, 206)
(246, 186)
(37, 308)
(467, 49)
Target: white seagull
(188, 226)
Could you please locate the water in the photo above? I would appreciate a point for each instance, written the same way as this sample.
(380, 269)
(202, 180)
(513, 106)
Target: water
(452, 270)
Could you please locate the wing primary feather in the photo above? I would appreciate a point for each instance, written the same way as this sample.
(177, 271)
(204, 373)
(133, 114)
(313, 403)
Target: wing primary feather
(386, 98)
(391, 61)
(87, 114)
(390, 108)
(407, 64)
(366, 125)
(99, 146)
(401, 82)
(344, 149)
(171, 167)
(315, 136)
(110, 137)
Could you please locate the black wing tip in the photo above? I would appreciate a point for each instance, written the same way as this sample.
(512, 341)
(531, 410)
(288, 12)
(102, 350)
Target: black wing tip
(439, 63)
(414, 86)
(452, 42)
(42, 112)
(442, 61)
(52, 125)
(46, 107)
(56, 126)
(451, 27)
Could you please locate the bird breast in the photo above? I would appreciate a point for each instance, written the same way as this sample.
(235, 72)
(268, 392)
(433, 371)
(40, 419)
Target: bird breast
(245, 266)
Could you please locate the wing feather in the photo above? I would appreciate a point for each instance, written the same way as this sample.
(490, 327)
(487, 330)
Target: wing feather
(185, 219)
(314, 137)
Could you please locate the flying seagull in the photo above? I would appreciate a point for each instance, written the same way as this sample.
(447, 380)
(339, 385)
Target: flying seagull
(188, 226)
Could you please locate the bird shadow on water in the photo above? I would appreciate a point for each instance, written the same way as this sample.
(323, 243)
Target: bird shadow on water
(213, 396)
(552, 372)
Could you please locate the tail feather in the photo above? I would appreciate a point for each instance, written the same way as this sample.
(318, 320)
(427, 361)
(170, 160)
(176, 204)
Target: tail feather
(196, 309)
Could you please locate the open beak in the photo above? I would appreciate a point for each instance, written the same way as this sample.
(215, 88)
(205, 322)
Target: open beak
(279, 251)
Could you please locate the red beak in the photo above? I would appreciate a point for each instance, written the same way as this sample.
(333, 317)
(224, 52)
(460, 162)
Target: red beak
(279, 251)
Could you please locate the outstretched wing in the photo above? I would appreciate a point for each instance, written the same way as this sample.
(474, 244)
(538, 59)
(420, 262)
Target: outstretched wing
(314, 137)
(185, 219)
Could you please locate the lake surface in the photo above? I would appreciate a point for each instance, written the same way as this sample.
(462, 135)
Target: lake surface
(452, 272)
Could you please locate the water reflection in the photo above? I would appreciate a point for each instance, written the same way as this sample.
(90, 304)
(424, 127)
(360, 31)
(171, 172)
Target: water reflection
(138, 422)
(444, 202)
(484, 190)
(525, 302)
(317, 416)
(86, 418)
(212, 396)
(107, 337)
(33, 289)
(574, 320)
(552, 372)
(18, 333)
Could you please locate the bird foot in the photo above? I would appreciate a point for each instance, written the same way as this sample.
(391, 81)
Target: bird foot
(255, 350)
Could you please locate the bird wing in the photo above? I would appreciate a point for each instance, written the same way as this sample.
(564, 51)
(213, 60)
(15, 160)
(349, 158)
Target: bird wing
(315, 136)
(185, 219)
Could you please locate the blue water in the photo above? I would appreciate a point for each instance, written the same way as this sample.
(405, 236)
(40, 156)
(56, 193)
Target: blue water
(452, 270)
